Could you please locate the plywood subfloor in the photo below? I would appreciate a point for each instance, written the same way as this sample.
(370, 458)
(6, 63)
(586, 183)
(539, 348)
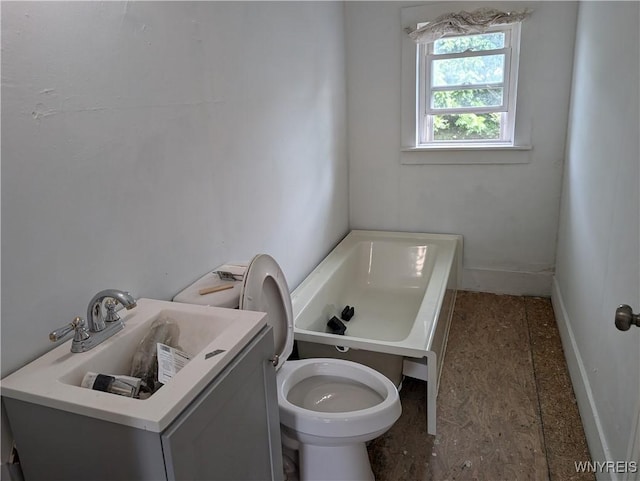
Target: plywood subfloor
(506, 409)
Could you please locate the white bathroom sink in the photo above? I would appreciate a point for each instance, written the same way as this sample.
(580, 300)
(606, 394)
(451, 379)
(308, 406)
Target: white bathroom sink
(54, 379)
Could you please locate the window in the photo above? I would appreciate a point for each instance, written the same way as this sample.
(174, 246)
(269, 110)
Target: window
(466, 89)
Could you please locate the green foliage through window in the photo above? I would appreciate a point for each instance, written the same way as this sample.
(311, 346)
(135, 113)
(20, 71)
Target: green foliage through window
(452, 99)
(472, 43)
(477, 70)
(467, 127)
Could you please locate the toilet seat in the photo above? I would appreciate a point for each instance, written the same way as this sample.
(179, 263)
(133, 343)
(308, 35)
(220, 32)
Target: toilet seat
(265, 289)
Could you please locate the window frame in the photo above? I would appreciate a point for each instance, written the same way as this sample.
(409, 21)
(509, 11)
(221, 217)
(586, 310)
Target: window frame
(424, 90)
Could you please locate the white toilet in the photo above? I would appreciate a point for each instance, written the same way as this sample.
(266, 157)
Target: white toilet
(329, 408)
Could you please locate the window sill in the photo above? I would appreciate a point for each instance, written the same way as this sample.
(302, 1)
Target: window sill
(467, 154)
(482, 147)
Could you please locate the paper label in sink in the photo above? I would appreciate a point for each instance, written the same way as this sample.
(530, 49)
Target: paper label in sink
(170, 361)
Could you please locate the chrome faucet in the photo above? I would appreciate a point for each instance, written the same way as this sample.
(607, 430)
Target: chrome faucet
(95, 319)
(100, 326)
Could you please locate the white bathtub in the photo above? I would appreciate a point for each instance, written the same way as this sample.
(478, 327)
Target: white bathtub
(402, 286)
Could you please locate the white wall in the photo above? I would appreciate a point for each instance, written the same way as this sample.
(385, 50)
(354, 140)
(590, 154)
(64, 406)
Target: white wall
(508, 214)
(598, 247)
(146, 143)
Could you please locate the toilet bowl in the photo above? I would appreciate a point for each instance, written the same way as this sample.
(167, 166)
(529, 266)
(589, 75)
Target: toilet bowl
(329, 408)
(332, 407)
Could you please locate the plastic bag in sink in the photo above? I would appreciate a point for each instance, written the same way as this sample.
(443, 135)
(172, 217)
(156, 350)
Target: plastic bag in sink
(145, 360)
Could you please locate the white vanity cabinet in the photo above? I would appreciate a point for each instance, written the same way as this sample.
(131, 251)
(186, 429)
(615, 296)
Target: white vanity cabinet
(230, 431)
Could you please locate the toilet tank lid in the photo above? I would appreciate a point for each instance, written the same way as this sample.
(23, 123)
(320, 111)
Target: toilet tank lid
(229, 297)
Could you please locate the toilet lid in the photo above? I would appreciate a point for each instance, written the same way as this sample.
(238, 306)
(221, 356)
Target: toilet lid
(264, 289)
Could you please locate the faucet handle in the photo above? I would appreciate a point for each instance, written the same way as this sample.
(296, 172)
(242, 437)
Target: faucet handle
(77, 325)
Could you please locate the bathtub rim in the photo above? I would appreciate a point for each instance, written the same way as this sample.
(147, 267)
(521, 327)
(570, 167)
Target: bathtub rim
(421, 335)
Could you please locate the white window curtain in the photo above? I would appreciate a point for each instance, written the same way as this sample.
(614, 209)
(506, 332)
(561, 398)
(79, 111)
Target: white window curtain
(464, 23)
